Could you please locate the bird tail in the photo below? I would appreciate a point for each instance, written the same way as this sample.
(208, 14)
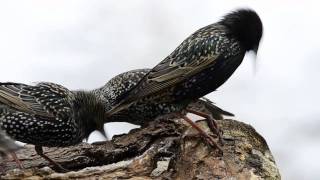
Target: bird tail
(211, 107)
(204, 104)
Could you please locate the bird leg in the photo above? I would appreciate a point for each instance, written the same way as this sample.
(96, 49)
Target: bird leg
(39, 151)
(16, 159)
(212, 124)
(208, 138)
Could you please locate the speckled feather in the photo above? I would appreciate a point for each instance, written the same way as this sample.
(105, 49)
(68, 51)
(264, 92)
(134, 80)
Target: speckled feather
(140, 114)
(119, 85)
(199, 65)
(198, 52)
(48, 114)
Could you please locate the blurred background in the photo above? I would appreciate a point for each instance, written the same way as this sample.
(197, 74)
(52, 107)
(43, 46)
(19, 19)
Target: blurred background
(82, 44)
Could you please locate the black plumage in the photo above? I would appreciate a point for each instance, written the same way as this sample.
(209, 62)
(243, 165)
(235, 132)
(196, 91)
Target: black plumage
(198, 66)
(140, 114)
(48, 114)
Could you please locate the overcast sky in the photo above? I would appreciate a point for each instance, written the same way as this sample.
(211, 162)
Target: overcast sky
(81, 44)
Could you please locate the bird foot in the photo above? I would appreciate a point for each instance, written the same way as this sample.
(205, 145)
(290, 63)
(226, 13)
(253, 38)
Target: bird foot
(57, 167)
(209, 139)
(217, 132)
(16, 159)
(212, 124)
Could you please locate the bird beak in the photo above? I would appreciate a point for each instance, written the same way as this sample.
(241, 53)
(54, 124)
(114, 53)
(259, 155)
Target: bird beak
(255, 51)
(104, 133)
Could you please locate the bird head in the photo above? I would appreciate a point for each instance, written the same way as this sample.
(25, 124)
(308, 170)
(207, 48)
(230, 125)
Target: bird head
(100, 116)
(90, 110)
(100, 128)
(245, 25)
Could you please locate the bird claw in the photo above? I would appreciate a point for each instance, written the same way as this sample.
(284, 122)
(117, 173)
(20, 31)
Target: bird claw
(207, 137)
(219, 135)
(212, 124)
(208, 140)
(16, 159)
(59, 168)
(213, 143)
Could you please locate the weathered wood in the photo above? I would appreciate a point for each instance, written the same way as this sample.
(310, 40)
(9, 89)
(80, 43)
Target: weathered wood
(161, 150)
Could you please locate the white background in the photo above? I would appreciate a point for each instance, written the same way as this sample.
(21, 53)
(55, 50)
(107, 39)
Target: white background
(82, 44)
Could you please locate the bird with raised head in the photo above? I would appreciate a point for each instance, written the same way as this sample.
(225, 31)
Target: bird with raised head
(50, 115)
(198, 66)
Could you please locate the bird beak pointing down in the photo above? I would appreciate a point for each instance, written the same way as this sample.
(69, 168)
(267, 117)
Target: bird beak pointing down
(103, 132)
(255, 49)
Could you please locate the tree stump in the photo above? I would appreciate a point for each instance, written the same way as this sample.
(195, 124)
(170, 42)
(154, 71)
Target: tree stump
(161, 150)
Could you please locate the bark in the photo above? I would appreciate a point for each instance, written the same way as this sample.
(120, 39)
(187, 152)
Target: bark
(161, 150)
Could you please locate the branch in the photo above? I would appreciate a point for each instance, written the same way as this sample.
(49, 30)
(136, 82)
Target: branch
(161, 150)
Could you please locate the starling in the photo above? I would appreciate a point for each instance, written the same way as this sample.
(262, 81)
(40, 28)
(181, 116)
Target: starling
(124, 82)
(198, 66)
(119, 85)
(50, 115)
(140, 115)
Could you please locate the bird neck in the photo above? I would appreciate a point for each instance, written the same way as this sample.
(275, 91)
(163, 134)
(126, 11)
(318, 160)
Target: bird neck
(89, 111)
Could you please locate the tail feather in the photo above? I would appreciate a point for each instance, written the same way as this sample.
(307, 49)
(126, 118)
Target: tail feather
(204, 104)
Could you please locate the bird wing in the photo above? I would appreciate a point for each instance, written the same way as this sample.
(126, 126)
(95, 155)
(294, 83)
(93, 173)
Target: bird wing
(191, 57)
(44, 99)
(120, 84)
